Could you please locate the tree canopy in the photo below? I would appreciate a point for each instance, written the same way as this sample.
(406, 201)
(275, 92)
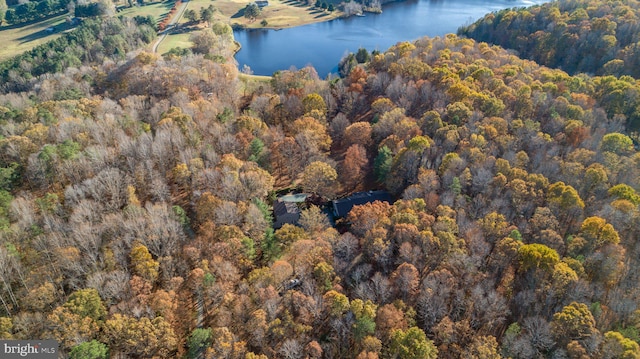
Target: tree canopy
(137, 193)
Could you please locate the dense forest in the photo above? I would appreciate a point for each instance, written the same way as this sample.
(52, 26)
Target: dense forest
(594, 37)
(136, 193)
(577, 36)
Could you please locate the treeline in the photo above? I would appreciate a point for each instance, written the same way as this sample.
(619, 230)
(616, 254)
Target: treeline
(35, 10)
(594, 37)
(94, 9)
(135, 209)
(93, 41)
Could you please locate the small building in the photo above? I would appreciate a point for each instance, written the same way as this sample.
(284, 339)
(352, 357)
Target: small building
(341, 207)
(262, 3)
(285, 212)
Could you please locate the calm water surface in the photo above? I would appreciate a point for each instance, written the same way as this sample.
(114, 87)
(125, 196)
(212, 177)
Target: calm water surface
(322, 45)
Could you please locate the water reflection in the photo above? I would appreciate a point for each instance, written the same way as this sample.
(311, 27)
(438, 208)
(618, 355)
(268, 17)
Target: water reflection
(324, 44)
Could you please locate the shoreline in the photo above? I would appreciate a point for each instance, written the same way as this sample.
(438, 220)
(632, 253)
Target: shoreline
(317, 19)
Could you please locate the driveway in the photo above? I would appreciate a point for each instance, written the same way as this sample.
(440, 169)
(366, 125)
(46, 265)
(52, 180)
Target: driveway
(171, 25)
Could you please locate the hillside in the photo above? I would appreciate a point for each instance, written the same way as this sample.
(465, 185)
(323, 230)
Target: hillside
(136, 195)
(578, 36)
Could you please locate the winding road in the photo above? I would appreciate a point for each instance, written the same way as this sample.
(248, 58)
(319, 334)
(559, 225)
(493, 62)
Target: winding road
(170, 26)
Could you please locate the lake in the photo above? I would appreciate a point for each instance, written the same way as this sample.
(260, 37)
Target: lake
(322, 45)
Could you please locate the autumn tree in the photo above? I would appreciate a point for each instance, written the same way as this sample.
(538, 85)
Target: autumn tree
(354, 166)
(314, 102)
(358, 133)
(566, 203)
(624, 191)
(141, 337)
(319, 177)
(288, 158)
(574, 322)
(311, 134)
(79, 319)
(336, 303)
(368, 216)
(406, 279)
(617, 143)
(617, 346)
(314, 220)
(412, 343)
(598, 232)
(143, 264)
(6, 327)
(483, 347)
(533, 256)
(388, 319)
(365, 314)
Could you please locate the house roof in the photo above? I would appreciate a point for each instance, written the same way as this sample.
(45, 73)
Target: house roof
(281, 208)
(341, 207)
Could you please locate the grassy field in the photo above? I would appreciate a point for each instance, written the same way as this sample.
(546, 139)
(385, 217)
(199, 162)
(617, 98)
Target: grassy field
(279, 14)
(16, 40)
(174, 40)
(158, 10)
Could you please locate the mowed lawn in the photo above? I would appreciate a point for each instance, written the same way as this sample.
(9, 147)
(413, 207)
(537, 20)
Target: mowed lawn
(158, 10)
(16, 40)
(174, 40)
(279, 13)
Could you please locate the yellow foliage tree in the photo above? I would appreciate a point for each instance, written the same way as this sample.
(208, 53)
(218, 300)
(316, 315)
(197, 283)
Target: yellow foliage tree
(143, 264)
